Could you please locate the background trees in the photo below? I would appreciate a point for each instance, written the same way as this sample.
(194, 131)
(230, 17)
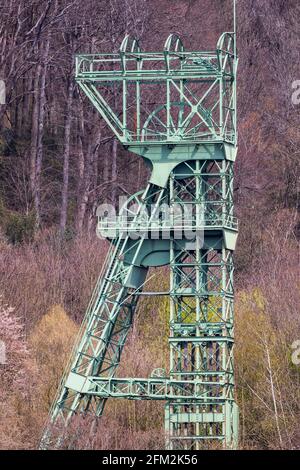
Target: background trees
(58, 161)
(58, 158)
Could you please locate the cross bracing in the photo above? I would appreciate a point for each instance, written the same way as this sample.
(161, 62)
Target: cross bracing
(171, 96)
(177, 109)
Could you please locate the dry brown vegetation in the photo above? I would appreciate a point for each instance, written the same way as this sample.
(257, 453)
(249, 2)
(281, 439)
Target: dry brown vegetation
(267, 322)
(52, 180)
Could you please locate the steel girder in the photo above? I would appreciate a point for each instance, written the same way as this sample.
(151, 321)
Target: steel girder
(187, 129)
(173, 96)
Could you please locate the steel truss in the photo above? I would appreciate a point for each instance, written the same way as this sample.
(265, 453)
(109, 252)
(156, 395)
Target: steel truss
(190, 140)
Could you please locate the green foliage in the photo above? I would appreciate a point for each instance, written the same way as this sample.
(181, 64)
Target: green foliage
(264, 375)
(2, 148)
(154, 315)
(19, 228)
(16, 227)
(51, 342)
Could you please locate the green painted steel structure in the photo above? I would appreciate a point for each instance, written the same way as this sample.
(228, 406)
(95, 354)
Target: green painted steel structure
(179, 115)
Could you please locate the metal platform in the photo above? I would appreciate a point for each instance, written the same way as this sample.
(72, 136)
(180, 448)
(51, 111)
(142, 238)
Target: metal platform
(177, 110)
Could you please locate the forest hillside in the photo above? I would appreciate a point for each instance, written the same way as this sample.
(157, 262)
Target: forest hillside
(59, 161)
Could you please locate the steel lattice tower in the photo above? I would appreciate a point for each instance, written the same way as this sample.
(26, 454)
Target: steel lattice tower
(179, 115)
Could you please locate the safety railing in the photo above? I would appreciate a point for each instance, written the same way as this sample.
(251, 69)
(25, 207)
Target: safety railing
(109, 227)
(158, 389)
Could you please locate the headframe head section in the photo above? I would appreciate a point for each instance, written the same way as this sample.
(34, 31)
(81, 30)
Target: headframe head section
(164, 98)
